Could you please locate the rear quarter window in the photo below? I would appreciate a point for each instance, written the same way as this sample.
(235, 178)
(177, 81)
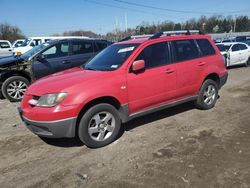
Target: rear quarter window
(205, 47)
(185, 50)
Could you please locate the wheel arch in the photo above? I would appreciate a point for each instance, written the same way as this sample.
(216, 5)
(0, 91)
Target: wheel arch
(6, 75)
(213, 76)
(104, 99)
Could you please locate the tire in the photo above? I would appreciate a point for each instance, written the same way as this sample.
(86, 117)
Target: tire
(1, 95)
(14, 88)
(94, 131)
(248, 62)
(208, 95)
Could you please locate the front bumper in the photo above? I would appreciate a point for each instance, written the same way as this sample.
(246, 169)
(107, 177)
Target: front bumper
(64, 128)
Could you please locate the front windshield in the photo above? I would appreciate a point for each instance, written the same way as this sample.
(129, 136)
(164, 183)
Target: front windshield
(34, 50)
(111, 58)
(223, 48)
(26, 42)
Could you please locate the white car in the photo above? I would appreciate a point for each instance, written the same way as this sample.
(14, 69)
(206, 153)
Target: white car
(5, 48)
(17, 43)
(235, 53)
(35, 41)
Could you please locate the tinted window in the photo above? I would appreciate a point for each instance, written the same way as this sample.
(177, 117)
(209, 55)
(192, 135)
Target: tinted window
(4, 45)
(111, 58)
(82, 47)
(58, 50)
(185, 50)
(243, 46)
(223, 48)
(155, 55)
(99, 46)
(235, 48)
(37, 42)
(205, 46)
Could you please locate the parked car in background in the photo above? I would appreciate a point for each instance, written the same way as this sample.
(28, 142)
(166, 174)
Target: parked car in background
(242, 38)
(35, 41)
(16, 72)
(5, 48)
(235, 53)
(17, 43)
(126, 80)
(222, 40)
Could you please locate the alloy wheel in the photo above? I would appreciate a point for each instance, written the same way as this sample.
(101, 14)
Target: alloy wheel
(101, 126)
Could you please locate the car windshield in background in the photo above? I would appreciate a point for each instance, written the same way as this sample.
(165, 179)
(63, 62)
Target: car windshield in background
(25, 42)
(34, 50)
(223, 48)
(111, 58)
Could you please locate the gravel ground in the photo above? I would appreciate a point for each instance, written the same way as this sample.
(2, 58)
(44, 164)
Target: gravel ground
(178, 147)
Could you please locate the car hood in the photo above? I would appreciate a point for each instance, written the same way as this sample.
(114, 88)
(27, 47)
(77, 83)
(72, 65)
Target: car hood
(63, 81)
(5, 61)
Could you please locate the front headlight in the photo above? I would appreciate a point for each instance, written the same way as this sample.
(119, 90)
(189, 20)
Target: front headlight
(50, 100)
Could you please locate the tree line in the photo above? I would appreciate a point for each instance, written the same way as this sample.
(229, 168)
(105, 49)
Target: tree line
(213, 24)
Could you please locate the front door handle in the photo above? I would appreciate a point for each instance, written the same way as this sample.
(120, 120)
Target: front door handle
(201, 63)
(169, 71)
(66, 62)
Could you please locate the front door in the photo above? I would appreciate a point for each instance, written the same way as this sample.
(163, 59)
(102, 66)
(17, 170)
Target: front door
(234, 55)
(55, 58)
(156, 85)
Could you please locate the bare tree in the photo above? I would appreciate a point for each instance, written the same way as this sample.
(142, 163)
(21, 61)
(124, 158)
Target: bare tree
(9, 32)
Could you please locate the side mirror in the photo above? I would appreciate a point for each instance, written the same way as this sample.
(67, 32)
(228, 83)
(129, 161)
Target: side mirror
(32, 44)
(138, 66)
(40, 58)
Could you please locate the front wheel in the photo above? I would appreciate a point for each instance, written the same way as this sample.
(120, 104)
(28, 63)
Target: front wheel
(99, 126)
(14, 88)
(208, 95)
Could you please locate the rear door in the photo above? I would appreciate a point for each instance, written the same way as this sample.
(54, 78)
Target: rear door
(156, 85)
(56, 58)
(189, 66)
(81, 52)
(245, 53)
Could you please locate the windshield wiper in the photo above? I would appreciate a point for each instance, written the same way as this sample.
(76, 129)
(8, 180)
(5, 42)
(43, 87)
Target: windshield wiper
(88, 68)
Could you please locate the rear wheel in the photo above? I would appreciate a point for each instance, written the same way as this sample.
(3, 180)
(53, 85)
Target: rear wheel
(99, 126)
(208, 95)
(248, 62)
(14, 88)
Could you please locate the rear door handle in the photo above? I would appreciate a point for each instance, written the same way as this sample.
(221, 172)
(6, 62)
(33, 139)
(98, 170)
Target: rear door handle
(169, 71)
(66, 62)
(201, 63)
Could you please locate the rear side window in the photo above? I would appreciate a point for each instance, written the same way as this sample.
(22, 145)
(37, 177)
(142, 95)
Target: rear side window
(235, 48)
(243, 46)
(205, 47)
(155, 55)
(185, 50)
(82, 47)
(99, 46)
(4, 45)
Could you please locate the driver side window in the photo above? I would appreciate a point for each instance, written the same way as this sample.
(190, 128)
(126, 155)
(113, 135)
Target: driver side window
(58, 50)
(235, 48)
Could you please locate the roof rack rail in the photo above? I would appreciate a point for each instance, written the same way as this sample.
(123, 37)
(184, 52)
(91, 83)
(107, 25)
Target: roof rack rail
(135, 37)
(179, 32)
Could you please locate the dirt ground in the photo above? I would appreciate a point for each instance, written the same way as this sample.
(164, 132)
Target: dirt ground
(178, 147)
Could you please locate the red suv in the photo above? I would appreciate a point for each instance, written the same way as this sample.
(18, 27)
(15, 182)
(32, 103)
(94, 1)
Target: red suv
(130, 78)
